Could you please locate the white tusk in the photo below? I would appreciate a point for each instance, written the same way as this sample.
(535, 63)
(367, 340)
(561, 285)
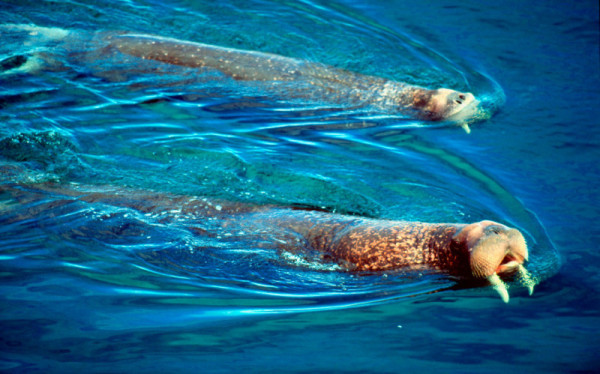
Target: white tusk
(466, 127)
(499, 286)
(526, 279)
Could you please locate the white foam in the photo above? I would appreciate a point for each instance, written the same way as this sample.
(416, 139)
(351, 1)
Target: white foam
(312, 264)
(38, 33)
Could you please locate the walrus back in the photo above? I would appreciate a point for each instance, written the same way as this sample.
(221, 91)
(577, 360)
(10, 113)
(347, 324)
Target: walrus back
(241, 65)
(238, 64)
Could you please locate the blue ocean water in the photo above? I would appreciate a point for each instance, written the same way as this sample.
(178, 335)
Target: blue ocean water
(106, 288)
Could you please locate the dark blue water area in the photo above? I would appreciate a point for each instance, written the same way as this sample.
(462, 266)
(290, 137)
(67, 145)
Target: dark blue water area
(106, 286)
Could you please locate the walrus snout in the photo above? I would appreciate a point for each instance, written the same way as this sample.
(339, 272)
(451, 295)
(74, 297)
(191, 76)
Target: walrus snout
(494, 250)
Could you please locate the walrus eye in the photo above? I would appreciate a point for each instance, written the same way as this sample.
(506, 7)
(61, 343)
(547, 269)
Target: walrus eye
(458, 101)
(462, 97)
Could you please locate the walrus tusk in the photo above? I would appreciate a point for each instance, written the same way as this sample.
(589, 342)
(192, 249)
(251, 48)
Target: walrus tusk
(499, 286)
(526, 279)
(465, 126)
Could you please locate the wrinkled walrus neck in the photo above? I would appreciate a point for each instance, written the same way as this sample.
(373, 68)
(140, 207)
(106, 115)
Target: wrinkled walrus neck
(393, 245)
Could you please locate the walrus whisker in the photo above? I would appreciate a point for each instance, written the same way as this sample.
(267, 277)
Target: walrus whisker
(499, 286)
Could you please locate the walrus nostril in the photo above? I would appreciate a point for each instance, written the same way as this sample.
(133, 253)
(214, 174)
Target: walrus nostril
(458, 101)
(462, 97)
(495, 229)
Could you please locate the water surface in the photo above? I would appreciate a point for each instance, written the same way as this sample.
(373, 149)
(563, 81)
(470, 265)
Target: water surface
(108, 288)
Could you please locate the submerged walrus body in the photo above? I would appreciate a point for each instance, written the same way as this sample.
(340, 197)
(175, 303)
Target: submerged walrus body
(481, 250)
(313, 81)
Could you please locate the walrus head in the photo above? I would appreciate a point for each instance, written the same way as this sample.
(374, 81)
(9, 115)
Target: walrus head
(494, 250)
(445, 104)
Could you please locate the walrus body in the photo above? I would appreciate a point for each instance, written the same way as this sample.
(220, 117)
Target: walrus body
(481, 250)
(313, 81)
(340, 85)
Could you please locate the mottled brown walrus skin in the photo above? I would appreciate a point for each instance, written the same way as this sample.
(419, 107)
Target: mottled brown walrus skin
(481, 250)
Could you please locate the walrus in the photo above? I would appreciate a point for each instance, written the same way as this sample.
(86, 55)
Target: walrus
(312, 80)
(483, 250)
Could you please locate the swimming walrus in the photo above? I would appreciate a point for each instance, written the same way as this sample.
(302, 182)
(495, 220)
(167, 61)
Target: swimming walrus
(315, 81)
(483, 250)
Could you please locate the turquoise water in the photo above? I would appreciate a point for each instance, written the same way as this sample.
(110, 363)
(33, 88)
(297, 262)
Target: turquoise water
(104, 288)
